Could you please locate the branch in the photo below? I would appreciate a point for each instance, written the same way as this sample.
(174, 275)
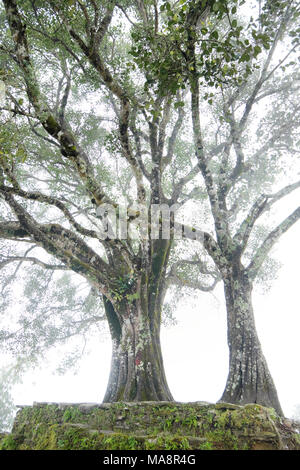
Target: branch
(275, 91)
(104, 24)
(173, 278)
(281, 62)
(226, 182)
(285, 127)
(242, 236)
(142, 11)
(202, 267)
(37, 196)
(62, 244)
(64, 101)
(264, 74)
(177, 281)
(137, 138)
(67, 141)
(10, 278)
(91, 51)
(41, 136)
(269, 242)
(121, 249)
(125, 14)
(172, 139)
(177, 190)
(208, 241)
(261, 205)
(199, 147)
(86, 16)
(12, 230)
(13, 259)
(162, 127)
(197, 134)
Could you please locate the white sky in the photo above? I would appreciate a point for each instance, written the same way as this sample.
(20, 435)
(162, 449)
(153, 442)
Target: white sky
(195, 350)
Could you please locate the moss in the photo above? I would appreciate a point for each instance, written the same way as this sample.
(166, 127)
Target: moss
(45, 438)
(72, 414)
(52, 126)
(206, 446)
(223, 419)
(8, 443)
(147, 425)
(240, 418)
(272, 413)
(77, 439)
(167, 443)
(297, 438)
(221, 439)
(122, 442)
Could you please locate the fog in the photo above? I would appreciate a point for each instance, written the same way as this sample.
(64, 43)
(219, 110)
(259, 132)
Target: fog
(195, 349)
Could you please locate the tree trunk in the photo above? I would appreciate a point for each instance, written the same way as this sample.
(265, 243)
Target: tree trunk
(137, 371)
(249, 379)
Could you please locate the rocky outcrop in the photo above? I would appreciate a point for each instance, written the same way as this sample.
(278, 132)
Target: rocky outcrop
(150, 426)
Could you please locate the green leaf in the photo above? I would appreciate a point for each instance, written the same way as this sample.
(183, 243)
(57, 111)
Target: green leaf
(216, 6)
(132, 297)
(215, 35)
(179, 104)
(257, 50)
(245, 57)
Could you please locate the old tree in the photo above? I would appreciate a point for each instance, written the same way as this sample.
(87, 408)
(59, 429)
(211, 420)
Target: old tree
(140, 104)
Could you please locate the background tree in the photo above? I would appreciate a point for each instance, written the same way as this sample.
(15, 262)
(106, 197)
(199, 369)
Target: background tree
(243, 167)
(243, 151)
(239, 251)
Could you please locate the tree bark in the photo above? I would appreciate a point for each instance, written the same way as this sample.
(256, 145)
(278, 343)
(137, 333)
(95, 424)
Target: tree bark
(249, 379)
(137, 370)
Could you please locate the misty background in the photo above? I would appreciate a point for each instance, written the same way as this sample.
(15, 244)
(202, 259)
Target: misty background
(195, 348)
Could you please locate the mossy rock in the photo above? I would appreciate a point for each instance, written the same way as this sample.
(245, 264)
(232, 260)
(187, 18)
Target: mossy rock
(149, 426)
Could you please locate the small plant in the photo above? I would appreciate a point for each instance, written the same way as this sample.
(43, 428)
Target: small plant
(8, 443)
(121, 442)
(190, 421)
(171, 443)
(206, 446)
(168, 423)
(71, 414)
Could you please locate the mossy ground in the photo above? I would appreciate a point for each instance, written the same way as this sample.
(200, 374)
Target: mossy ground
(149, 426)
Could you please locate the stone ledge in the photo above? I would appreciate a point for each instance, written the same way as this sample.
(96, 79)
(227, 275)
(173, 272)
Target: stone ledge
(150, 426)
